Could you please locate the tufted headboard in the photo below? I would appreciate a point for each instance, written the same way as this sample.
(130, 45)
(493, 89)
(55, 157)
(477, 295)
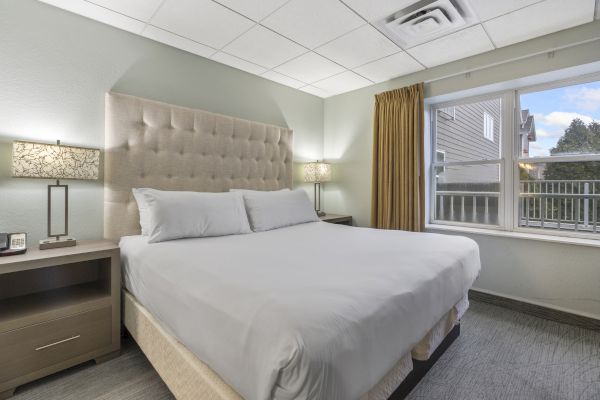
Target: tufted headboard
(153, 144)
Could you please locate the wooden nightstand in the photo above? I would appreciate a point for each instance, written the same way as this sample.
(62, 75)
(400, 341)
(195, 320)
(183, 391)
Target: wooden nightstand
(337, 219)
(58, 308)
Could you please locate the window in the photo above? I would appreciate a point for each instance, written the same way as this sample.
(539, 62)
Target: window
(440, 157)
(466, 180)
(488, 126)
(536, 170)
(559, 162)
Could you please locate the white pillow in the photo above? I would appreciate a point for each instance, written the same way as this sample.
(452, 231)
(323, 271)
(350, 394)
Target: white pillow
(138, 195)
(271, 210)
(176, 215)
(259, 191)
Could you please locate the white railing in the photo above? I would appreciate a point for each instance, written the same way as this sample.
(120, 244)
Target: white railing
(467, 206)
(545, 204)
(560, 204)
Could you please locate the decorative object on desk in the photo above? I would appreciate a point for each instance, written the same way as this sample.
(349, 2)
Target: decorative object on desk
(317, 172)
(55, 161)
(12, 244)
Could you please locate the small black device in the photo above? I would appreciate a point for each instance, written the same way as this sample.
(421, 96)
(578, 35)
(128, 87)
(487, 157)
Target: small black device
(12, 244)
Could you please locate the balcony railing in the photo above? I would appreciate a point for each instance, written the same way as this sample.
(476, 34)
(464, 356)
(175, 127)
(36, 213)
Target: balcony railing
(560, 204)
(467, 206)
(571, 205)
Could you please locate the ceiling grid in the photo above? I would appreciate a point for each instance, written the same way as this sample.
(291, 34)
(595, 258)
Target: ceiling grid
(328, 47)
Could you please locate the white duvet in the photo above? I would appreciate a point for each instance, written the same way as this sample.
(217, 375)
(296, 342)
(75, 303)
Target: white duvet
(312, 311)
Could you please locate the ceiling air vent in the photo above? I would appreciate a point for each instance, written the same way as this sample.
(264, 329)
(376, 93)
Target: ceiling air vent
(427, 20)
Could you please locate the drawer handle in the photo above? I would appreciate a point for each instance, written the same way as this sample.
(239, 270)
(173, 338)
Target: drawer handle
(59, 342)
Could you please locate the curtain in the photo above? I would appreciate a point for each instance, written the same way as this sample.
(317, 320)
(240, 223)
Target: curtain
(398, 192)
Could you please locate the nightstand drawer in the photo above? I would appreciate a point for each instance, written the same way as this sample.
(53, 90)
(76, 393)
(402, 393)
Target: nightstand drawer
(42, 345)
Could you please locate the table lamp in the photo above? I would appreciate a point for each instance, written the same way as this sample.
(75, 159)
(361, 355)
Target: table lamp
(55, 161)
(317, 172)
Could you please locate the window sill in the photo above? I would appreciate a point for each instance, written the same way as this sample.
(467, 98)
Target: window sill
(514, 235)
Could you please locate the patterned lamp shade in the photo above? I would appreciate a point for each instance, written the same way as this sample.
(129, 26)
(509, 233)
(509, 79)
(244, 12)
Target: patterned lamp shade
(54, 161)
(317, 172)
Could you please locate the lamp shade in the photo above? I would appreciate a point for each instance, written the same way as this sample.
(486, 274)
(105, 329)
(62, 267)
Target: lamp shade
(54, 161)
(317, 172)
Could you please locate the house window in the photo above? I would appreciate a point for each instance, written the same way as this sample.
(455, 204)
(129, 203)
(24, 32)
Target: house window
(440, 157)
(535, 170)
(488, 126)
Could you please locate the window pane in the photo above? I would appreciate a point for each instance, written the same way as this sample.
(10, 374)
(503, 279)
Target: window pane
(469, 132)
(560, 121)
(560, 196)
(468, 193)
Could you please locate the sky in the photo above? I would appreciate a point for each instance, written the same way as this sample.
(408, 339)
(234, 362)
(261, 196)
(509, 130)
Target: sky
(555, 109)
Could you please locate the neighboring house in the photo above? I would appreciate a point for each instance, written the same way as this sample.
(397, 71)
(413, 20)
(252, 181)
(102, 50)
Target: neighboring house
(526, 132)
(469, 132)
(527, 135)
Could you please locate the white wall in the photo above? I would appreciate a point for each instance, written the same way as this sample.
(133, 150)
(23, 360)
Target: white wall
(556, 275)
(54, 70)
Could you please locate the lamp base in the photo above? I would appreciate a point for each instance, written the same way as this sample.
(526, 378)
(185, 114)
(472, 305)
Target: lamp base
(54, 243)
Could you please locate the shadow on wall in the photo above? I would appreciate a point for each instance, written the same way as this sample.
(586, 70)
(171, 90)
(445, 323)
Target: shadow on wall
(176, 77)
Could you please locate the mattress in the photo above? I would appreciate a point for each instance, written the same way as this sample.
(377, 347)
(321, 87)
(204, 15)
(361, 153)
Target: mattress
(313, 311)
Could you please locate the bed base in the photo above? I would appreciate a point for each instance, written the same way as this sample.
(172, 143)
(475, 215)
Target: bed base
(189, 378)
(420, 368)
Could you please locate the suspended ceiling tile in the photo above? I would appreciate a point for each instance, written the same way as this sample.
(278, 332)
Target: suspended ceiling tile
(310, 67)
(539, 19)
(455, 46)
(138, 9)
(203, 21)
(238, 63)
(168, 38)
(374, 10)
(358, 47)
(344, 82)
(313, 22)
(488, 9)
(253, 9)
(99, 14)
(389, 67)
(315, 91)
(264, 47)
(284, 80)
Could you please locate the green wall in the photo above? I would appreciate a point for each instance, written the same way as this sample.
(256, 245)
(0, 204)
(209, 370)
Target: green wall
(55, 68)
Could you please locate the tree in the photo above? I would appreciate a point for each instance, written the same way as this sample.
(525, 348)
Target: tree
(578, 138)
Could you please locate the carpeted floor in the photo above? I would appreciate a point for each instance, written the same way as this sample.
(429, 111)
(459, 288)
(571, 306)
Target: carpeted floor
(501, 354)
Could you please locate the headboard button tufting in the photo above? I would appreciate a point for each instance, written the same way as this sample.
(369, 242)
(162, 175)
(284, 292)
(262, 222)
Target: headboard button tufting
(184, 149)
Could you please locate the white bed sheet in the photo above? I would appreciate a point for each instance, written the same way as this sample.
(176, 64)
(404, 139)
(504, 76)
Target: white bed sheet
(314, 311)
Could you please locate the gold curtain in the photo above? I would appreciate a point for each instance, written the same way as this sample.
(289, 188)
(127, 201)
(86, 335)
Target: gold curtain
(398, 192)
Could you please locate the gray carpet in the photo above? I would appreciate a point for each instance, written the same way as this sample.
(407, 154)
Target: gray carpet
(501, 354)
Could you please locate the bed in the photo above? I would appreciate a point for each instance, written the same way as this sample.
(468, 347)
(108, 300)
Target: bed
(312, 311)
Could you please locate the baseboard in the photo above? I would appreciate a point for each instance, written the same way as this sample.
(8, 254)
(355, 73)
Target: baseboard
(536, 310)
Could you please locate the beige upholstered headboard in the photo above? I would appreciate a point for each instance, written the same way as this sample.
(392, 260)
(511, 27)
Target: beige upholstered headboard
(153, 144)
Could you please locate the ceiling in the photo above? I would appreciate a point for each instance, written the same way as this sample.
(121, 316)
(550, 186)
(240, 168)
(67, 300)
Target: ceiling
(325, 47)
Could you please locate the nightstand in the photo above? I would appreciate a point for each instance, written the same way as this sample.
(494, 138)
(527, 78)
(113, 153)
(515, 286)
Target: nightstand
(337, 219)
(58, 308)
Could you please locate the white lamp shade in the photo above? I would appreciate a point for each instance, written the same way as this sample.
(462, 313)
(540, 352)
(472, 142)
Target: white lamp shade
(39, 160)
(317, 172)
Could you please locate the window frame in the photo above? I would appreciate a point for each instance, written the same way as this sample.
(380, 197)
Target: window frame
(508, 203)
(503, 211)
(487, 117)
(546, 159)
